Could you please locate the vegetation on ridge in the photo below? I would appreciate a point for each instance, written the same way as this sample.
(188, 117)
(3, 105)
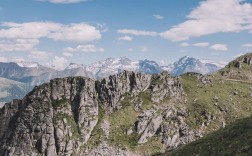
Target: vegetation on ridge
(235, 139)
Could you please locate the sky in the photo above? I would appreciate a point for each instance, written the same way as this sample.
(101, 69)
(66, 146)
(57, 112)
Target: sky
(58, 32)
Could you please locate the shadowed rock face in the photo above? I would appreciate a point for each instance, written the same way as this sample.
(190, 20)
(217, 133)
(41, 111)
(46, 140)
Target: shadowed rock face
(55, 118)
(58, 118)
(112, 88)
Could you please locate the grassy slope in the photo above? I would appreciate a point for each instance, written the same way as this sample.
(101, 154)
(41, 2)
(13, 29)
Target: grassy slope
(235, 139)
(124, 119)
(234, 103)
(201, 98)
(235, 96)
(10, 89)
(236, 106)
(120, 121)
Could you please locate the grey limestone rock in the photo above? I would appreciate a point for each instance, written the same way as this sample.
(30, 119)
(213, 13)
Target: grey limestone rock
(58, 118)
(53, 119)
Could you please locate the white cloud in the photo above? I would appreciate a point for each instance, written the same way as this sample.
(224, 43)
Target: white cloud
(64, 1)
(247, 45)
(140, 48)
(31, 30)
(75, 32)
(69, 49)
(184, 44)
(18, 44)
(137, 32)
(213, 16)
(89, 48)
(84, 48)
(58, 63)
(219, 47)
(159, 17)
(201, 44)
(125, 38)
(25, 36)
(67, 54)
(39, 54)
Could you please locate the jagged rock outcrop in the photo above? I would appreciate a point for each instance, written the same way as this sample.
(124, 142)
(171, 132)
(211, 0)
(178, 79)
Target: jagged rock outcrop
(244, 59)
(164, 86)
(8, 113)
(112, 89)
(150, 129)
(239, 68)
(169, 125)
(54, 119)
(58, 118)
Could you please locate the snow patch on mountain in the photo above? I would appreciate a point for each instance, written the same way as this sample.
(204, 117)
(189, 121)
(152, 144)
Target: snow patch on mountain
(112, 66)
(74, 66)
(190, 64)
(28, 64)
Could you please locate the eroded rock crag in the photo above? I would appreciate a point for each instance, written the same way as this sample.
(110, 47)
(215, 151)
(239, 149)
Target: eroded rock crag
(58, 118)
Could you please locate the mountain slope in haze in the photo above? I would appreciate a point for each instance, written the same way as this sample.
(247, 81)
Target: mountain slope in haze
(34, 73)
(101, 69)
(10, 90)
(22, 71)
(125, 114)
(113, 66)
(189, 64)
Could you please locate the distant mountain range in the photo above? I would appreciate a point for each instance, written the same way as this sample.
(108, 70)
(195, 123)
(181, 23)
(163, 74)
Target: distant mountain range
(32, 73)
(190, 64)
(10, 89)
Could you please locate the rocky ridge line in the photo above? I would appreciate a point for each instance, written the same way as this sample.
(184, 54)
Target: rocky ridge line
(58, 118)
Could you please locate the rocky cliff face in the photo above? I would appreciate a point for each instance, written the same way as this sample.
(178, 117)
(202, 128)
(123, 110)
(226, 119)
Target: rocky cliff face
(58, 118)
(55, 118)
(112, 89)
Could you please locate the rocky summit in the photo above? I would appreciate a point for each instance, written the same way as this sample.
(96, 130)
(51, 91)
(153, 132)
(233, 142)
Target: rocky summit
(125, 114)
(60, 117)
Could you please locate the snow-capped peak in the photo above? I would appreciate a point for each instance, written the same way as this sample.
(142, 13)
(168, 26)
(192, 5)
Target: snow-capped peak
(190, 64)
(28, 64)
(73, 66)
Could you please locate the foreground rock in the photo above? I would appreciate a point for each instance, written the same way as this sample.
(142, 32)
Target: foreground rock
(55, 118)
(58, 118)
